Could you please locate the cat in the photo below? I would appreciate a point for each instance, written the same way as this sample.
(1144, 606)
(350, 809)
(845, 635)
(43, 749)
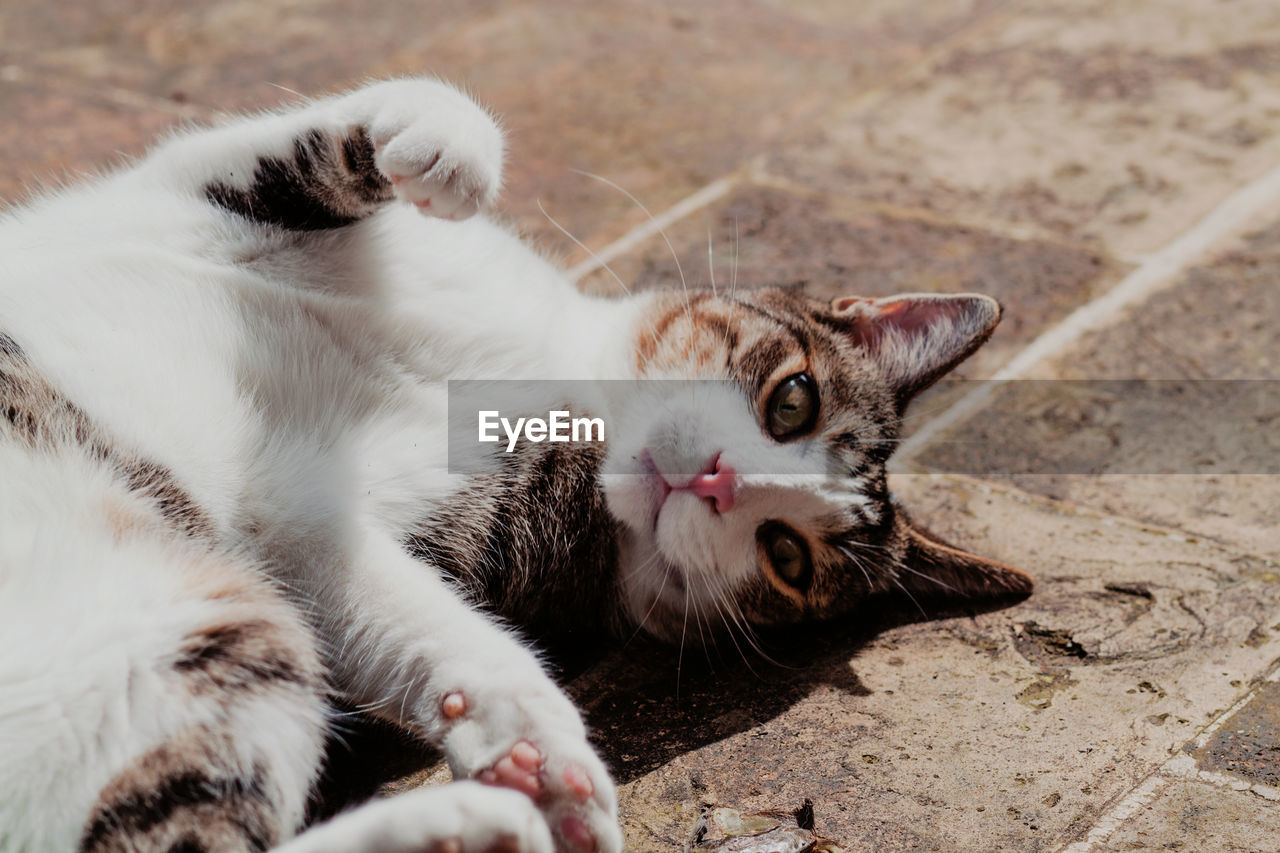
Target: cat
(223, 396)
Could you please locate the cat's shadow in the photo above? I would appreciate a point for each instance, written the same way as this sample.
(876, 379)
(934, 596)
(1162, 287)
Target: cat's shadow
(647, 703)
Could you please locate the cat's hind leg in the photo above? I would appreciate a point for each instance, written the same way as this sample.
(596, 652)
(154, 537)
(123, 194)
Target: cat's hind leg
(231, 748)
(335, 161)
(156, 694)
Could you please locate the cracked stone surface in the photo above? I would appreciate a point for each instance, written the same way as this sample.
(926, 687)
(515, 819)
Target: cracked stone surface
(1005, 730)
(1116, 123)
(1194, 817)
(1211, 343)
(1036, 150)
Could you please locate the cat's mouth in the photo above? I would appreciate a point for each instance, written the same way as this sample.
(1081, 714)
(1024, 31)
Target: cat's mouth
(660, 489)
(715, 486)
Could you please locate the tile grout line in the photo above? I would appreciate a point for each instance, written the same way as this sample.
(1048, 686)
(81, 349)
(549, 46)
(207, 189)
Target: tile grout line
(1092, 511)
(1158, 270)
(852, 202)
(1184, 768)
(1152, 786)
(722, 186)
(114, 95)
(1178, 767)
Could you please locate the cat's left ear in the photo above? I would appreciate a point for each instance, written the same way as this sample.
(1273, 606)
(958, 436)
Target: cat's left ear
(917, 337)
(933, 569)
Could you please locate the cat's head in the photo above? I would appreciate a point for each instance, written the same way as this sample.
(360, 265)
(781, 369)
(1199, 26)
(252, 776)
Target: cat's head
(763, 496)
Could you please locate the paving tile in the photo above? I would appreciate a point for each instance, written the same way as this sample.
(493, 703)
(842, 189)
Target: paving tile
(1193, 817)
(1215, 327)
(1247, 744)
(49, 135)
(762, 236)
(1117, 122)
(1010, 730)
(659, 97)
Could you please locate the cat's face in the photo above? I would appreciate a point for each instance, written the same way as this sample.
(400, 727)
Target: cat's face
(762, 497)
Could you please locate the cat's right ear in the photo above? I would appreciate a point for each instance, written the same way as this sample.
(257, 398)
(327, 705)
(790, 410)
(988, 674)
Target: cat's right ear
(917, 337)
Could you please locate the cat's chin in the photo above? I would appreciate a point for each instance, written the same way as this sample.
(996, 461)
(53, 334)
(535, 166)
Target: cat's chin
(677, 561)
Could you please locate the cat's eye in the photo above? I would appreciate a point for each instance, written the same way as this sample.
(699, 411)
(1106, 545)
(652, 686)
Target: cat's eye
(787, 553)
(793, 406)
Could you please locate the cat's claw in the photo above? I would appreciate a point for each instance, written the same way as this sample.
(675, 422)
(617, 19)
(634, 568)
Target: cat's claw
(440, 151)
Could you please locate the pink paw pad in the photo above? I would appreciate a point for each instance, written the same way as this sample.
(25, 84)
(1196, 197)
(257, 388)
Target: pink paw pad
(517, 770)
(577, 781)
(577, 833)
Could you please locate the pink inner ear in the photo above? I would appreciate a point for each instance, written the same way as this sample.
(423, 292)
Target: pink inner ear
(919, 336)
(909, 315)
(844, 303)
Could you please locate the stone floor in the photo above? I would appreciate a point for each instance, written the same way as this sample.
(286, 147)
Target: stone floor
(1109, 169)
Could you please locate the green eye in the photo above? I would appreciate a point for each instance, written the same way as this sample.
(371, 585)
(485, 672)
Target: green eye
(788, 554)
(793, 406)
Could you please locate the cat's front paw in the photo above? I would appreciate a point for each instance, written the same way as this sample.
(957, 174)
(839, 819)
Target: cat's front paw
(439, 149)
(530, 738)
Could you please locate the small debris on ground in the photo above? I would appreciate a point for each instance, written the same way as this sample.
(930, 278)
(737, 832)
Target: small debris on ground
(725, 830)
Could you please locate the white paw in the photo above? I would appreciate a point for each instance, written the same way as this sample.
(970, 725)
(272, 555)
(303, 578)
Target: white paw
(439, 149)
(527, 736)
(463, 817)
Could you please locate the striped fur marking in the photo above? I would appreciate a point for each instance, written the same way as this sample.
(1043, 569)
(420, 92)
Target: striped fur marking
(328, 182)
(240, 656)
(183, 795)
(34, 413)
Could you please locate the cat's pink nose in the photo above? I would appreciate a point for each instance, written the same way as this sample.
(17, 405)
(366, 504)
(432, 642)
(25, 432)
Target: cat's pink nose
(717, 483)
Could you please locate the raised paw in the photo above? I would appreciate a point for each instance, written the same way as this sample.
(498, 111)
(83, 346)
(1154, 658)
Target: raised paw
(440, 150)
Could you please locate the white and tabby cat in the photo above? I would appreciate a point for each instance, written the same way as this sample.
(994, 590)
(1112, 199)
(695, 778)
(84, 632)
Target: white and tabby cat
(224, 494)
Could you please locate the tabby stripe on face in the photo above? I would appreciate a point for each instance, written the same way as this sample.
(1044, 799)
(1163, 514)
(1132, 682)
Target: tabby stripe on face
(328, 182)
(655, 332)
(37, 415)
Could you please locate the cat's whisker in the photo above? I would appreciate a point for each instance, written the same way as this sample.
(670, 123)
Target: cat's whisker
(870, 545)
(853, 558)
(583, 246)
(408, 691)
(900, 586)
(733, 286)
(688, 304)
(948, 587)
(702, 637)
(731, 618)
(684, 627)
(603, 264)
(711, 264)
(645, 620)
(643, 567)
(733, 274)
(727, 604)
